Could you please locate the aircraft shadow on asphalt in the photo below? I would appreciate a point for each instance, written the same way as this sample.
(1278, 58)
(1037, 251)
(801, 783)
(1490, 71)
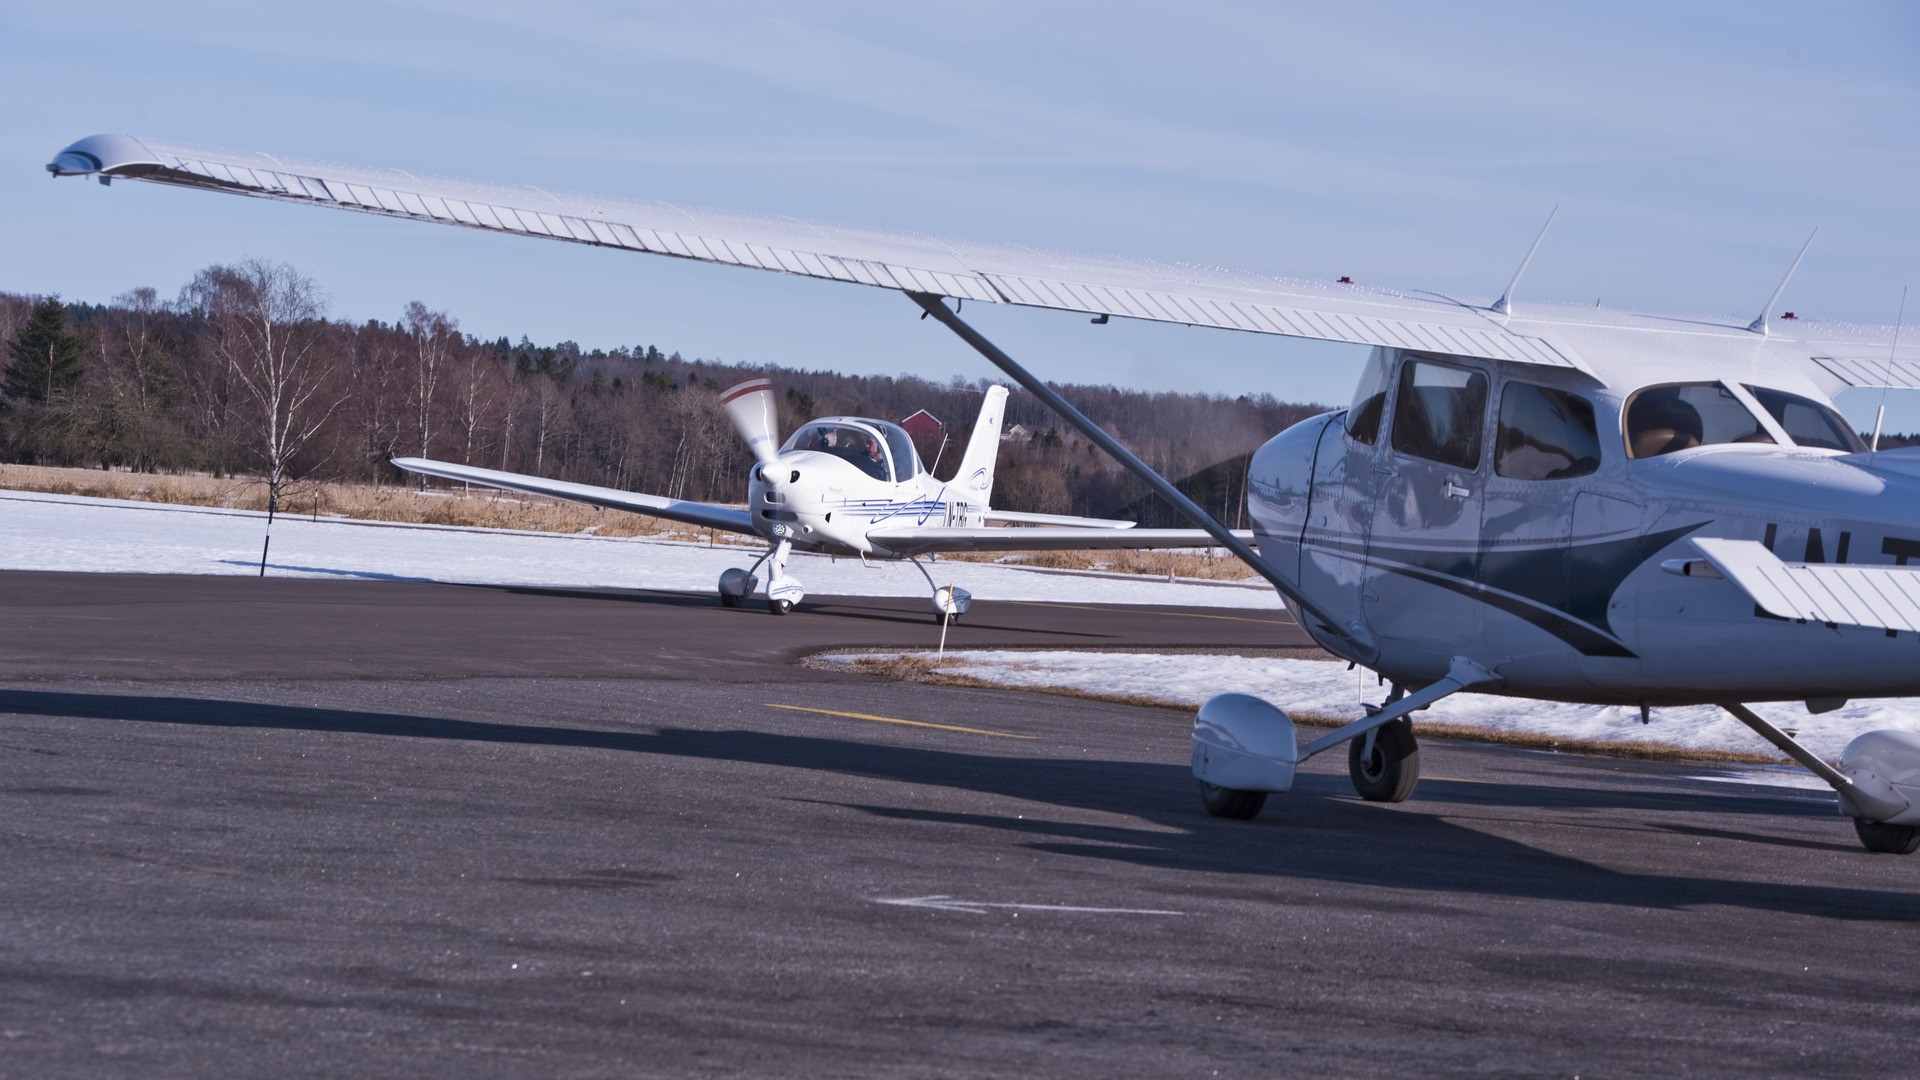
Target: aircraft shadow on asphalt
(1319, 832)
(327, 571)
(837, 607)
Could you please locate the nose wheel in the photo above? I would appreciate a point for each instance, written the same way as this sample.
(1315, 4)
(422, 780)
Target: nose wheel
(783, 592)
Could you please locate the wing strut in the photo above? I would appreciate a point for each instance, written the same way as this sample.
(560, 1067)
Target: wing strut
(1355, 637)
(1874, 800)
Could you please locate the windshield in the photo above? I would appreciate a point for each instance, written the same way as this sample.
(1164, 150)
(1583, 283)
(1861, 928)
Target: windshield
(1806, 421)
(859, 443)
(1680, 416)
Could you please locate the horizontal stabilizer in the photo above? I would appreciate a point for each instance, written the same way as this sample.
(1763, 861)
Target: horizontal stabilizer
(932, 538)
(723, 518)
(1884, 597)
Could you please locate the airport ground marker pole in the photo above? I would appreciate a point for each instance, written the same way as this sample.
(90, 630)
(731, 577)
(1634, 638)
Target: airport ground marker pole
(946, 617)
(267, 542)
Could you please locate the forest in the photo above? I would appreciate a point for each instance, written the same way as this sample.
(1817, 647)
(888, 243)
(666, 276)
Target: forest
(243, 374)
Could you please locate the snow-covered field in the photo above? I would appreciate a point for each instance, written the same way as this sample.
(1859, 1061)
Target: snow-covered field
(60, 532)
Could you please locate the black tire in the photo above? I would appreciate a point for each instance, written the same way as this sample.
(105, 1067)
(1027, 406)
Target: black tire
(729, 600)
(1392, 771)
(950, 619)
(779, 607)
(1887, 839)
(1231, 802)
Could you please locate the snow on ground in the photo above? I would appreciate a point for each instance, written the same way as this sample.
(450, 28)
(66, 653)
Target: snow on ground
(62, 532)
(66, 532)
(1325, 688)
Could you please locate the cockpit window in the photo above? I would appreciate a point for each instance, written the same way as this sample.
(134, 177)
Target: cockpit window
(1806, 421)
(1438, 413)
(1681, 416)
(862, 444)
(1370, 399)
(906, 461)
(1545, 434)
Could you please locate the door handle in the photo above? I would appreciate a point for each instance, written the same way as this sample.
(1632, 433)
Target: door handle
(1381, 468)
(1455, 491)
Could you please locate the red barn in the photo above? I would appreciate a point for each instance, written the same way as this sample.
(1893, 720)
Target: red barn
(928, 434)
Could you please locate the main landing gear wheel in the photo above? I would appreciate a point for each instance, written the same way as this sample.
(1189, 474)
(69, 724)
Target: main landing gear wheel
(1887, 839)
(938, 618)
(1390, 771)
(729, 601)
(779, 607)
(1230, 802)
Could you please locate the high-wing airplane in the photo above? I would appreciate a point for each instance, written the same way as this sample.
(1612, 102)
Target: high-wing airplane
(1528, 499)
(854, 487)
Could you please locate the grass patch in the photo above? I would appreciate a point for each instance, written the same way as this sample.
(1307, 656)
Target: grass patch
(1218, 566)
(440, 505)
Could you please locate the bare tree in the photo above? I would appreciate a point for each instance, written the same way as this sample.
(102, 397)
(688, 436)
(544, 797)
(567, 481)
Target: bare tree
(264, 326)
(549, 409)
(476, 393)
(434, 336)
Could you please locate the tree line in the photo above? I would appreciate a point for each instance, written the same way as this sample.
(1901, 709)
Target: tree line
(243, 374)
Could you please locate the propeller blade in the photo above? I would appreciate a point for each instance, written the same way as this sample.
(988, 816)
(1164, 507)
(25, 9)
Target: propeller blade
(750, 407)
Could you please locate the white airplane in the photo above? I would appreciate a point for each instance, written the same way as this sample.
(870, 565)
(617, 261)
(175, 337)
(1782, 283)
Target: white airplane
(1535, 500)
(853, 487)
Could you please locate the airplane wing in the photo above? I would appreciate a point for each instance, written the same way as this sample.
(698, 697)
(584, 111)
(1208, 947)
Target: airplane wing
(1835, 355)
(1884, 597)
(921, 541)
(1020, 517)
(724, 518)
(1100, 286)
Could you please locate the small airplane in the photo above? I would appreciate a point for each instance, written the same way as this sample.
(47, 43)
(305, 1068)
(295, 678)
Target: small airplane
(853, 487)
(1528, 499)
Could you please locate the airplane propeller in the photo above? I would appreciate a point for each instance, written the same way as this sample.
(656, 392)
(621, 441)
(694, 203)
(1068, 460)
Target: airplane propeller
(751, 408)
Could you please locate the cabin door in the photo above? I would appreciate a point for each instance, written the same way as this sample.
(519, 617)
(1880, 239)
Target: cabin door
(1424, 543)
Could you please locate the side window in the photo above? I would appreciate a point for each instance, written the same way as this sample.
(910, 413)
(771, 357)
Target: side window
(1807, 422)
(1545, 434)
(1438, 413)
(1370, 399)
(906, 463)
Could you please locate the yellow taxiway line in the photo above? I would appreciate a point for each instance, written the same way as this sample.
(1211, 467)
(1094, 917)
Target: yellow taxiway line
(904, 723)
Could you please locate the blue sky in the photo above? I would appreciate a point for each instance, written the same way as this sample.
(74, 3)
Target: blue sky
(1690, 146)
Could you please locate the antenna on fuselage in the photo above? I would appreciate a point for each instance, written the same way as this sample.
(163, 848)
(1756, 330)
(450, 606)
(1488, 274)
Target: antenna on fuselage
(1880, 416)
(1759, 324)
(1504, 305)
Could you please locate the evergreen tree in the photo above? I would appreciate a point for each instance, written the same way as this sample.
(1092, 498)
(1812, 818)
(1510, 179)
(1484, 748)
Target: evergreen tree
(46, 358)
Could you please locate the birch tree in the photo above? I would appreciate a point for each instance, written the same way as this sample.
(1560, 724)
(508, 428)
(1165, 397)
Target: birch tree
(434, 336)
(264, 327)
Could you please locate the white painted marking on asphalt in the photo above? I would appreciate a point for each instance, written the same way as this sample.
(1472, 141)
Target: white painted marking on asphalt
(1784, 778)
(981, 907)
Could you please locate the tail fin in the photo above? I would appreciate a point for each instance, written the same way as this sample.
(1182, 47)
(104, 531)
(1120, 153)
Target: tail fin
(975, 475)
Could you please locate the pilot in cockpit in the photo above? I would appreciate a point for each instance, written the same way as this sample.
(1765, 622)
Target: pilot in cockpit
(871, 460)
(1659, 422)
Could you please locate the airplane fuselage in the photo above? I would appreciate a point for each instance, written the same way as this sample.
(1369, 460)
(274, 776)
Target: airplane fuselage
(1584, 587)
(828, 505)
